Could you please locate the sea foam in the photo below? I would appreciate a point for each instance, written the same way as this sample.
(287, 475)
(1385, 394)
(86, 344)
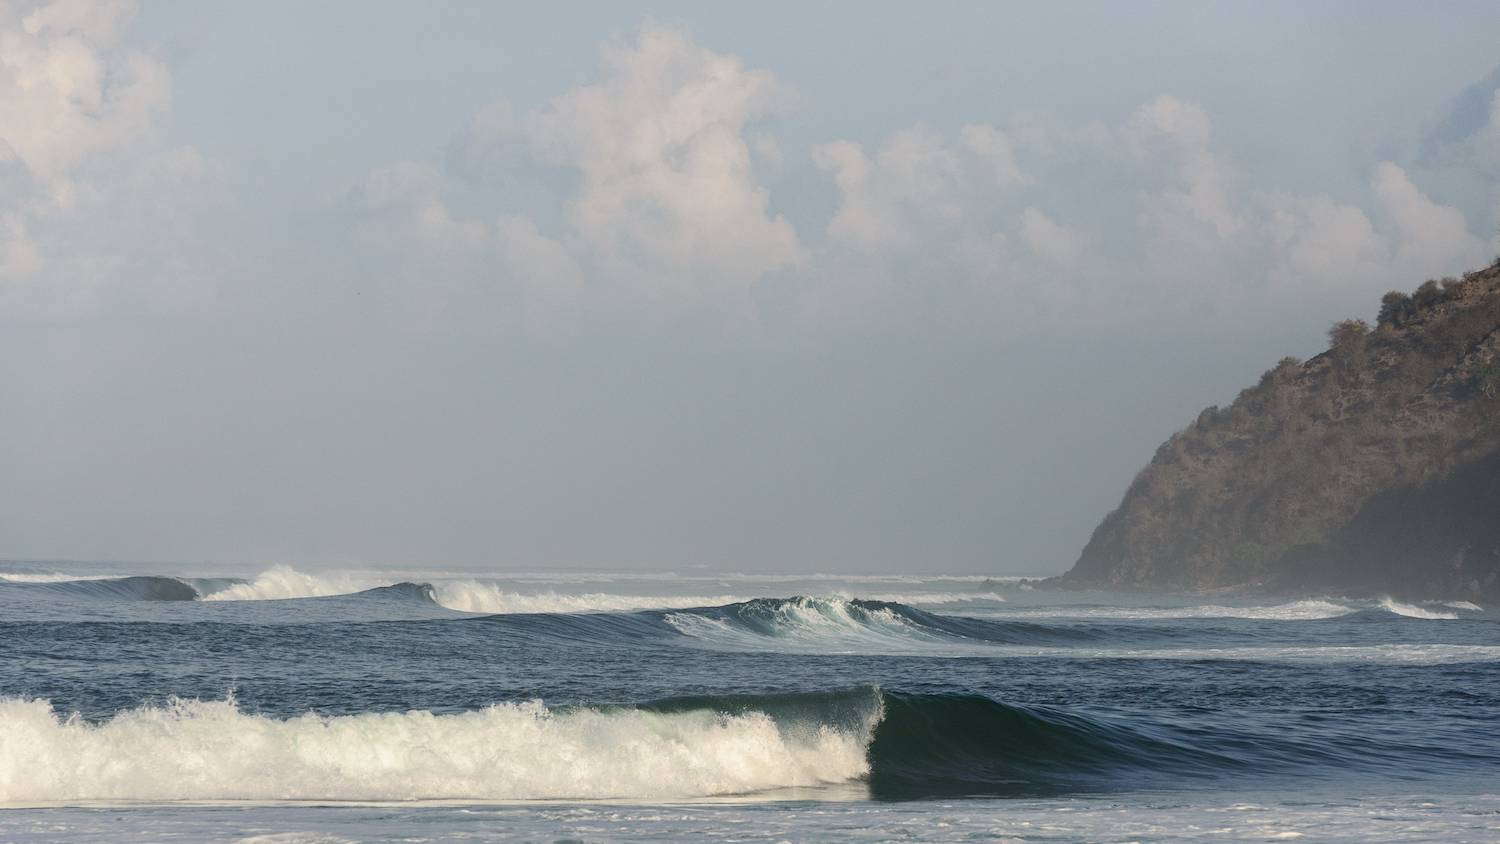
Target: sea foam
(474, 596)
(477, 596)
(210, 750)
(1305, 610)
(1412, 611)
(814, 623)
(280, 582)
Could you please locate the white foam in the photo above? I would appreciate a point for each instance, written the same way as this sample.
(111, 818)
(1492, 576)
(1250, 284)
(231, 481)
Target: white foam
(1307, 610)
(1464, 605)
(280, 582)
(54, 577)
(1411, 611)
(827, 625)
(929, 598)
(209, 750)
(476, 597)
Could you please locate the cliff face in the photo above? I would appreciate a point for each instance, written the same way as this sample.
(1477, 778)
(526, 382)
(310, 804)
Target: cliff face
(1373, 467)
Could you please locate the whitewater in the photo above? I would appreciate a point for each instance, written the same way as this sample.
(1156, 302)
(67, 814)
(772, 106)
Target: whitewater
(482, 705)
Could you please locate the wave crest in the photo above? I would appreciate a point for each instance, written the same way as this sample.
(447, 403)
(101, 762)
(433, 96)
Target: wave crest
(281, 582)
(211, 750)
(1413, 611)
(473, 596)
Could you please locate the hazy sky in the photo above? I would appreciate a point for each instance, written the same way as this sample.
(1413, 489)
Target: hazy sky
(850, 287)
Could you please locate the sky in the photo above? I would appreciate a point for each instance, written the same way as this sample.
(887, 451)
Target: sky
(782, 287)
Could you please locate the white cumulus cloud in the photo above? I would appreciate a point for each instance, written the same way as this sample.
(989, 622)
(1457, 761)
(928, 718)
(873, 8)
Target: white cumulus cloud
(93, 207)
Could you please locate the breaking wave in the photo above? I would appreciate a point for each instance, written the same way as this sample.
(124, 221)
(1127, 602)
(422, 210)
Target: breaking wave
(211, 750)
(475, 597)
(1306, 610)
(899, 745)
(839, 624)
(1413, 611)
(282, 582)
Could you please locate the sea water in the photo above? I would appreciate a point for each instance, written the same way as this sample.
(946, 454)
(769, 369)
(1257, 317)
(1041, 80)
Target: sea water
(299, 706)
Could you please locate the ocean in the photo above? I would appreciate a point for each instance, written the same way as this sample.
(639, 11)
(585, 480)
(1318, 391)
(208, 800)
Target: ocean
(300, 706)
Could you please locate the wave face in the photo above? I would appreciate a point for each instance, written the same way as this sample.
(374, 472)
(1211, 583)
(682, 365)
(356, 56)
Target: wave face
(957, 744)
(197, 750)
(115, 588)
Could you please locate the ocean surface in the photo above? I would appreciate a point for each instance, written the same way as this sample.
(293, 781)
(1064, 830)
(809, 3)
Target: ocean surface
(298, 706)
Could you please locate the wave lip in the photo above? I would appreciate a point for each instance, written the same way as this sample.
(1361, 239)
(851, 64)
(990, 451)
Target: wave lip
(211, 750)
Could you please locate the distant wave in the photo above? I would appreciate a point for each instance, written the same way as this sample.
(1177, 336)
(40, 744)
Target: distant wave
(1305, 610)
(476, 597)
(852, 625)
(824, 625)
(283, 582)
(1412, 611)
(928, 598)
(138, 588)
(50, 577)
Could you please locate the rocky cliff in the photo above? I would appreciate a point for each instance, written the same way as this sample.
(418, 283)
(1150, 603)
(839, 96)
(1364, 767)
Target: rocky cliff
(1371, 468)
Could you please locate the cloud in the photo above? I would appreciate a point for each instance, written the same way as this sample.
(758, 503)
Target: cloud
(1432, 239)
(1316, 241)
(552, 279)
(93, 207)
(1191, 221)
(669, 199)
(665, 208)
(997, 149)
(404, 198)
(886, 199)
(1053, 243)
(488, 149)
(659, 206)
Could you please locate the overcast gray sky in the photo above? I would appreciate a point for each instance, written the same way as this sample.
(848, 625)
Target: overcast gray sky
(855, 287)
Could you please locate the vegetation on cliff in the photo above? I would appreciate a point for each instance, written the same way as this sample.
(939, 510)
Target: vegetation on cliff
(1373, 467)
